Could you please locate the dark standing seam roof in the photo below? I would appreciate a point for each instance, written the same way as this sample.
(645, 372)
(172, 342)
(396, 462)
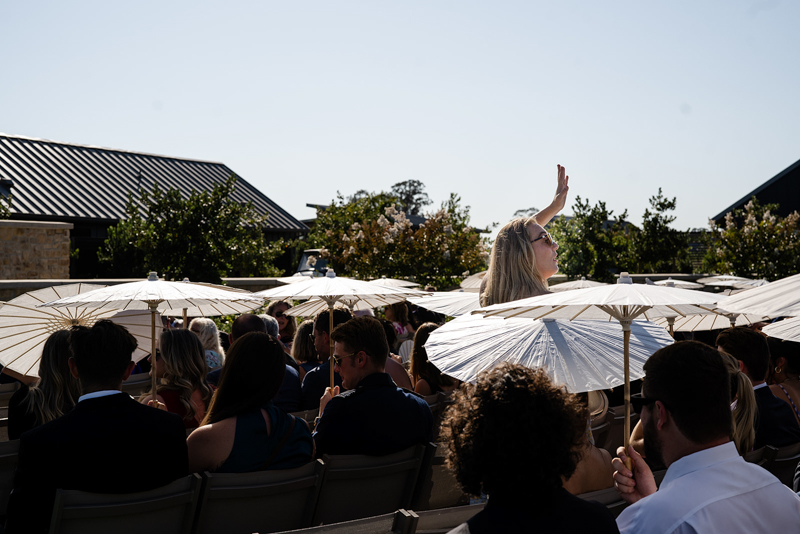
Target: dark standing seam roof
(63, 180)
(754, 193)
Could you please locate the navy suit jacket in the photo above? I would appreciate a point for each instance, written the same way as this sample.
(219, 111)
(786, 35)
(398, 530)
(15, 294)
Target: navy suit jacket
(314, 384)
(775, 423)
(375, 418)
(107, 444)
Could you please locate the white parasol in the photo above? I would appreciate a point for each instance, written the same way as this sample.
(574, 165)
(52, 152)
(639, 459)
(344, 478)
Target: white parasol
(722, 279)
(622, 302)
(393, 282)
(583, 283)
(153, 295)
(582, 355)
(214, 309)
(779, 298)
(450, 303)
(710, 321)
(788, 329)
(332, 289)
(681, 284)
(473, 282)
(24, 328)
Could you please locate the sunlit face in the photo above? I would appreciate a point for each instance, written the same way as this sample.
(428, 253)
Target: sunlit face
(544, 250)
(278, 313)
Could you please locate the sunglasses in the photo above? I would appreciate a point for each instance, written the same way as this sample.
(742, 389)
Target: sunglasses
(338, 360)
(638, 401)
(548, 239)
(278, 314)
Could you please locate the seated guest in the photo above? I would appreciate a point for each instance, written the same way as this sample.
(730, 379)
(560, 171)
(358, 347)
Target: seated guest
(273, 329)
(394, 368)
(398, 315)
(785, 372)
(243, 430)
(428, 379)
(91, 447)
(374, 416)
(775, 421)
(181, 370)
(303, 350)
(593, 471)
(317, 380)
(287, 325)
(206, 331)
(685, 411)
(288, 397)
(743, 410)
(520, 466)
(52, 396)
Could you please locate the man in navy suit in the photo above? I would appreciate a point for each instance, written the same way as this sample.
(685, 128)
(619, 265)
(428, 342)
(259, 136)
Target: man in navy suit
(775, 423)
(108, 443)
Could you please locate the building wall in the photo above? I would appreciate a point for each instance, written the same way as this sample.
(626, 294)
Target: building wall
(32, 250)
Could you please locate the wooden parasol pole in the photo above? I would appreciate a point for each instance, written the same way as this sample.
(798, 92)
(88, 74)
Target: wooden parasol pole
(330, 331)
(153, 309)
(626, 328)
(185, 319)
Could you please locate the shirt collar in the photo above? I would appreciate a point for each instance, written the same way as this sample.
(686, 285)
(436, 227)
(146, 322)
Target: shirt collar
(97, 394)
(761, 385)
(699, 460)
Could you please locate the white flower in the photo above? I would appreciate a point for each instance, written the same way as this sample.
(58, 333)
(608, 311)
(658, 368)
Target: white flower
(393, 231)
(345, 238)
(355, 226)
(388, 239)
(375, 250)
(360, 234)
(448, 229)
(351, 250)
(383, 221)
(466, 229)
(446, 255)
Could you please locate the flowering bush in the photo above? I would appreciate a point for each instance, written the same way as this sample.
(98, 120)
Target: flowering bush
(755, 243)
(371, 236)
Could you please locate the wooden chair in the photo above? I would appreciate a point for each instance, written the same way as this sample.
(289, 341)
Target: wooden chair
(399, 522)
(263, 501)
(168, 509)
(357, 486)
(445, 519)
(615, 437)
(783, 461)
(9, 451)
(437, 486)
(405, 350)
(6, 391)
(438, 403)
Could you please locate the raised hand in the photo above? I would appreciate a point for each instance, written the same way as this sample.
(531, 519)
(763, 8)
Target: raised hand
(562, 188)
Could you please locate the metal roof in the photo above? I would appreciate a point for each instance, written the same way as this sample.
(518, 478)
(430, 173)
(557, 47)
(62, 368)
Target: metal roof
(53, 180)
(760, 189)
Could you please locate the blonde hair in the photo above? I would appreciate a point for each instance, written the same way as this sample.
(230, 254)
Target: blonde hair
(184, 368)
(208, 334)
(744, 415)
(303, 350)
(512, 273)
(57, 391)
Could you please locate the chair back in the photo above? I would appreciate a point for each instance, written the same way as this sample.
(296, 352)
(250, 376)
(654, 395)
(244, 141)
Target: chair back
(757, 457)
(168, 509)
(9, 451)
(6, 392)
(782, 462)
(308, 416)
(405, 350)
(136, 384)
(615, 436)
(262, 501)
(607, 497)
(445, 519)
(437, 486)
(357, 486)
(399, 522)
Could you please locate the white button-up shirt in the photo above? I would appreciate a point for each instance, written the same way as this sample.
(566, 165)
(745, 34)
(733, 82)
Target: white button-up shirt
(715, 490)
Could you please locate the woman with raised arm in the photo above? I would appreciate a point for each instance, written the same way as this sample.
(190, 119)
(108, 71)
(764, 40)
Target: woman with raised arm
(524, 255)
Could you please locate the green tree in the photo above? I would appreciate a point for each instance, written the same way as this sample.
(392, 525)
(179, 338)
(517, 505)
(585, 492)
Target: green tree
(754, 243)
(5, 207)
(203, 237)
(411, 194)
(591, 242)
(657, 248)
(372, 237)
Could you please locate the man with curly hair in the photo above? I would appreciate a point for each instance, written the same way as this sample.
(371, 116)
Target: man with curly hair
(513, 436)
(686, 417)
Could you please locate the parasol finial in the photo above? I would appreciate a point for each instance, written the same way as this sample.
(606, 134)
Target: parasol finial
(624, 278)
(152, 276)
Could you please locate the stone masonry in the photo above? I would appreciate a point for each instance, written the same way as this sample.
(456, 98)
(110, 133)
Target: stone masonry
(34, 250)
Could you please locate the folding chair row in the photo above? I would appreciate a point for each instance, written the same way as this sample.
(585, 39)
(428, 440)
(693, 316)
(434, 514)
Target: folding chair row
(331, 490)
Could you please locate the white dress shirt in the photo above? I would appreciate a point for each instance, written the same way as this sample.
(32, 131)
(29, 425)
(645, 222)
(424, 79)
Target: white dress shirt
(715, 490)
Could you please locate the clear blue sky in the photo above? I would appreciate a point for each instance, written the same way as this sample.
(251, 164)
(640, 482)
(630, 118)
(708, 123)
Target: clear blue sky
(479, 98)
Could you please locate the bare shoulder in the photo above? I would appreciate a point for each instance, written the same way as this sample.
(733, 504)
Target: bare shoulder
(213, 432)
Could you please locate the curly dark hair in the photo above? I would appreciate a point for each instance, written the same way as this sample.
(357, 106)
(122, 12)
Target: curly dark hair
(513, 429)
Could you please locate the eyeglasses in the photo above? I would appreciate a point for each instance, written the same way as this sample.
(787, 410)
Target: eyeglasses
(638, 401)
(278, 314)
(548, 239)
(338, 360)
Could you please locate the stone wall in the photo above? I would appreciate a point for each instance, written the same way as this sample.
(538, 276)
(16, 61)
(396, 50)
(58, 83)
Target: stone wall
(31, 250)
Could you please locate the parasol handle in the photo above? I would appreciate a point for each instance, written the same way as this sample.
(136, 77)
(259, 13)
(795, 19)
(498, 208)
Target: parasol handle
(153, 353)
(185, 319)
(627, 431)
(330, 331)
